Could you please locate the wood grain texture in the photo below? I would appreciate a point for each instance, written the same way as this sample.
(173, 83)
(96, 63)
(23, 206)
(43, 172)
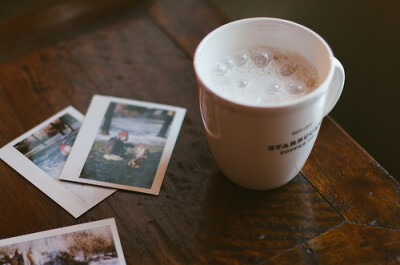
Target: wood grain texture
(66, 18)
(352, 181)
(346, 175)
(187, 22)
(23, 208)
(199, 216)
(346, 244)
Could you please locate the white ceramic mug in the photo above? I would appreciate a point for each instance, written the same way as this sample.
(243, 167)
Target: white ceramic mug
(264, 147)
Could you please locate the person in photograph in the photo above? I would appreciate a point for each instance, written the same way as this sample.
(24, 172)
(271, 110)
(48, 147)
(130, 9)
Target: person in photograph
(140, 153)
(116, 147)
(66, 146)
(65, 149)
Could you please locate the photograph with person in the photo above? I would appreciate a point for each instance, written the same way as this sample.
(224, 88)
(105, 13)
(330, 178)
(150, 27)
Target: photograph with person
(125, 144)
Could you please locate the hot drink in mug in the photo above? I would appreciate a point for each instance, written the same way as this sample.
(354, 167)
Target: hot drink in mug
(265, 85)
(262, 76)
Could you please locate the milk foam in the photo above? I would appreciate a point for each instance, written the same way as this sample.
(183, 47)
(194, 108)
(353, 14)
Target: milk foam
(263, 76)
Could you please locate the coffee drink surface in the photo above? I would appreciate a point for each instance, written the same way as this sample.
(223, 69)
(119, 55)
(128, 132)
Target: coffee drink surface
(263, 76)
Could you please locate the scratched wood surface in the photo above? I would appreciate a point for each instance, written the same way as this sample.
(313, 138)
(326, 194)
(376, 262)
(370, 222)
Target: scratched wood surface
(340, 197)
(347, 244)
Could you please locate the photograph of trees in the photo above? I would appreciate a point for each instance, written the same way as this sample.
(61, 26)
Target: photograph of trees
(49, 146)
(93, 246)
(129, 145)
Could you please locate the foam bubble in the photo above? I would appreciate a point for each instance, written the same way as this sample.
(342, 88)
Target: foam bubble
(242, 82)
(273, 77)
(241, 57)
(273, 88)
(311, 82)
(228, 61)
(288, 68)
(295, 89)
(221, 69)
(260, 57)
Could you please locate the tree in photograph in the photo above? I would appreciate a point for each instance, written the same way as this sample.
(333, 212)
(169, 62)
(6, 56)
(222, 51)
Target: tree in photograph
(56, 127)
(18, 258)
(5, 250)
(168, 117)
(34, 256)
(90, 244)
(68, 120)
(5, 259)
(25, 145)
(5, 254)
(105, 129)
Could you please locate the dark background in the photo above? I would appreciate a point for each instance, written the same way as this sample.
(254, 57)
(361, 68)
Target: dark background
(365, 37)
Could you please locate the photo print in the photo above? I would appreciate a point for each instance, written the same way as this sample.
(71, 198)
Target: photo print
(91, 243)
(124, 144)
(40, 154)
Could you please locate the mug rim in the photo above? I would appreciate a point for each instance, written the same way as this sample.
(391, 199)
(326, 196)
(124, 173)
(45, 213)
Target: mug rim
(315, 94)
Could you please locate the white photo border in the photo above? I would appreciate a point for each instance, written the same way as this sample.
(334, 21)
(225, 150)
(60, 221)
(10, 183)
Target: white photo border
(71, 229)
(87, 135)
(29, 170)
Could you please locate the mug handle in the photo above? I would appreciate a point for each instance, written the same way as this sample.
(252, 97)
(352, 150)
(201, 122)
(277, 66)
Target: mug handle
(336, 86)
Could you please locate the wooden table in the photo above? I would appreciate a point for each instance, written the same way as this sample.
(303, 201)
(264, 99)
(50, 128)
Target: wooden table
(343, 208)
